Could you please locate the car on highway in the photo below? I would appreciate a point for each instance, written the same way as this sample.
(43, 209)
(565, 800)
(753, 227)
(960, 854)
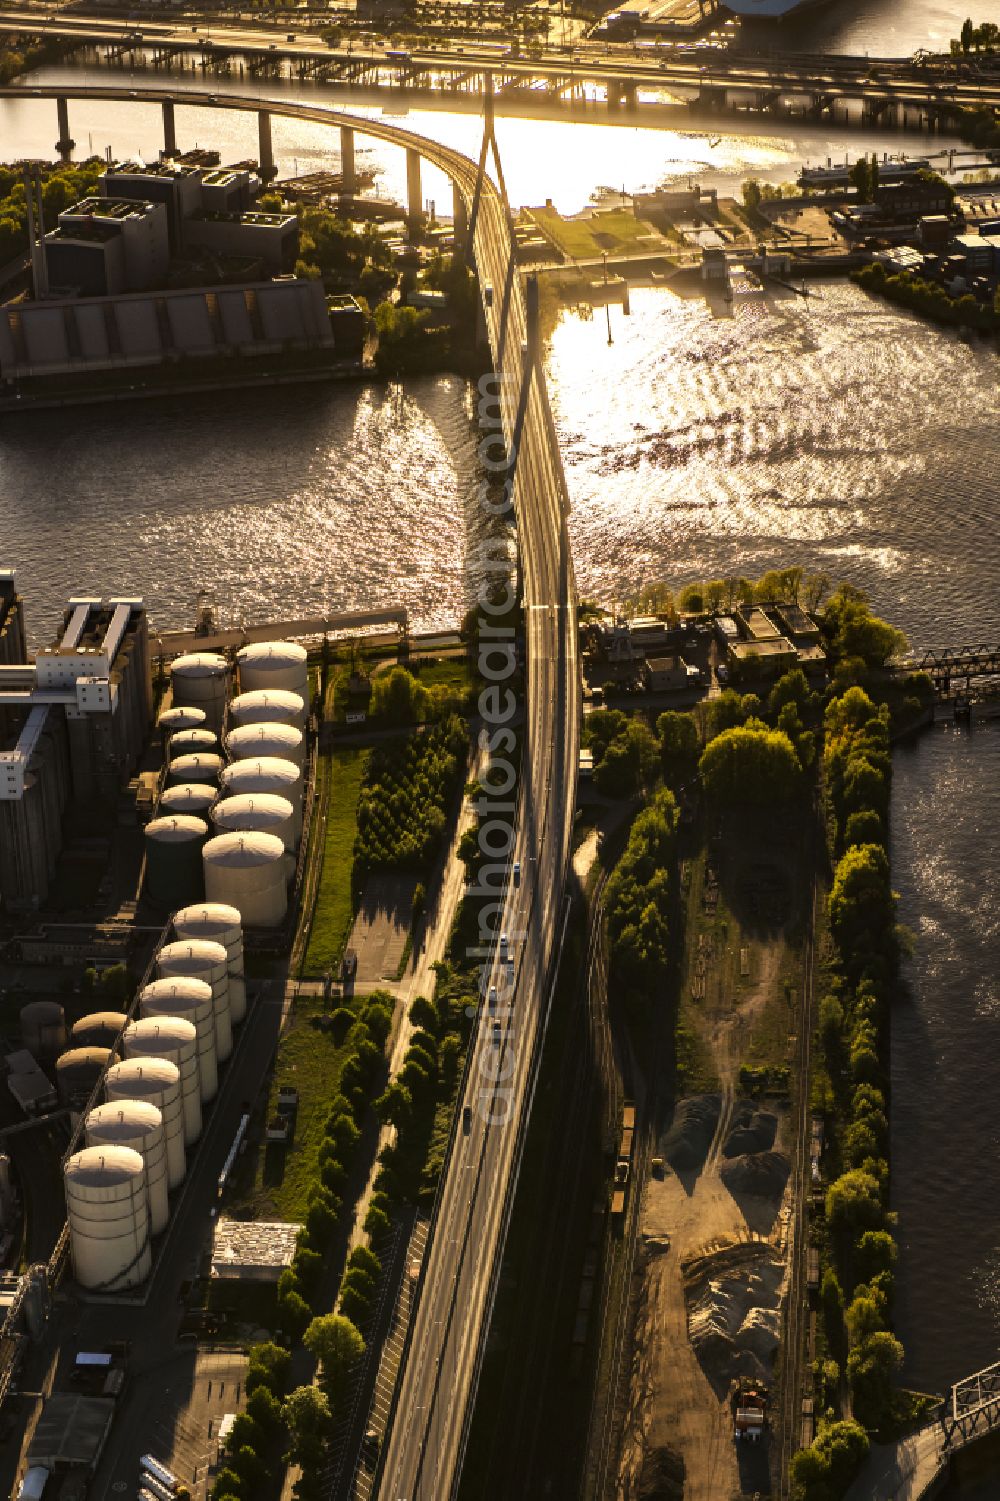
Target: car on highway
(488, 295)
(466, 1120)
(503, 945)
(493, 998)
(496, 1034)
(517, 872)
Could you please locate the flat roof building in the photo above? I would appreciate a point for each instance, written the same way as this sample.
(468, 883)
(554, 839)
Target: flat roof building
(273, 239)
(252, 1250)
(104, 246)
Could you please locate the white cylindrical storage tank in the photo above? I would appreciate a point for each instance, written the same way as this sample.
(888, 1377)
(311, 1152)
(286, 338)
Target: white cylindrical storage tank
(191, 998)
(269, 774)
(77, 1072)
(204, 959)
(191, 798)
(108, 1217)
(101, 1029)
(43, 1028)
(173, 860)
(158, 1081)
(220, 924)
(190, 742)
(175, 1038)
(248, 871)
(172, 720)
(204, 767)
(252, 741)
(139, 1125)
(258, 812)
(274, 664)
(268, 706)
(199, 681)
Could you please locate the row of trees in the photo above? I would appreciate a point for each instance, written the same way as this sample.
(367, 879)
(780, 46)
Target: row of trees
(407, 787)
(420, 1100)
(984, 38)
(260, 1433)
(300, 1286)
(62, 186)
(930, 298)
(709, 596)
(639, 903)
(399, 697)
(857, 1284)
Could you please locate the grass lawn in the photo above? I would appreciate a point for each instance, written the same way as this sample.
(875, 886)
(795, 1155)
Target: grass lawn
(310, 1058)
(334, 910)
(582, 239)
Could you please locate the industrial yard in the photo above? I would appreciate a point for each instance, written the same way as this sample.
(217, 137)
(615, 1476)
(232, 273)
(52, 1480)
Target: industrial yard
(168, 1079)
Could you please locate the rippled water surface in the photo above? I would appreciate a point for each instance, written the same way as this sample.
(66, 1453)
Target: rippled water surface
(826, 429)
(946, 1043)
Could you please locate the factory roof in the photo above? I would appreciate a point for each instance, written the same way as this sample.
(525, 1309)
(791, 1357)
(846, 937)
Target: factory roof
(71, 1431)
(112, 208)
(254, 1250)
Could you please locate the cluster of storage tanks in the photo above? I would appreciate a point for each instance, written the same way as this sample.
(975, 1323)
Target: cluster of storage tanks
(162, 1068)
(235, 766)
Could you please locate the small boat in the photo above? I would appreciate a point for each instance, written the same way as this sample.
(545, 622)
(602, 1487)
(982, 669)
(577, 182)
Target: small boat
(714, 142)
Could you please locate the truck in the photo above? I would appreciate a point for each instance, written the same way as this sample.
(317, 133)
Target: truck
(749, 1403)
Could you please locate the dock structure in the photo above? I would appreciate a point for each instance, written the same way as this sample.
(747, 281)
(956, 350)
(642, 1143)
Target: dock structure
(309, 627)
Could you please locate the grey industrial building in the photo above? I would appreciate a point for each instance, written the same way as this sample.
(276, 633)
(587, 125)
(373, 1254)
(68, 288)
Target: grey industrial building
(84, 335)
(104, 246)
(74, 721)
(273, 239)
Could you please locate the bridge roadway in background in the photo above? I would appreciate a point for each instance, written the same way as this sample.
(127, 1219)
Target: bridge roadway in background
(877, 82)
(423, 1451)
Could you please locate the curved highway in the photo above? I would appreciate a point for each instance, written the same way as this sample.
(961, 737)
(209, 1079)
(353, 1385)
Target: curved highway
(878, 80)
(423, 1450)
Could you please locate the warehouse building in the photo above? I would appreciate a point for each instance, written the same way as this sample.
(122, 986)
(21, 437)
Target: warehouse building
(75, 721)
(84, 335)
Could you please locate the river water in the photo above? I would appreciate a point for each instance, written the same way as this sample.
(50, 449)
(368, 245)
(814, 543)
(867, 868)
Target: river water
(832, 430)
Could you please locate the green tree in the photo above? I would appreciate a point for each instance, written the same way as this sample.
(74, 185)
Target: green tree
(678, 747)
(967, 34)
(268, 1367)
(307, 1416)
(832, 1303)
(861, 906)
(854, 1203)
(337, 1344)
(871, 1370)
(825, 1470)
(750, 766)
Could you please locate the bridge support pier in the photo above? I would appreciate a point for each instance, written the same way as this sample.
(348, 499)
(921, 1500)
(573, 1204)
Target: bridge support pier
(65, 143)
(459, 217)
(268, 171)
(414, 198)
(169, 128)
(347, 167)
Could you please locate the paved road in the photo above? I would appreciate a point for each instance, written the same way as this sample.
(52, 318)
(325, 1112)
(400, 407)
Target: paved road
(901, 1471)
(895, 80)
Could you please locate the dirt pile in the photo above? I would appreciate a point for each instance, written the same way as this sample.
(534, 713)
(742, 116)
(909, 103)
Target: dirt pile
(662, 1476)
(762, 1175)
(686, 1144)
(751, 1130)
(733, 1301)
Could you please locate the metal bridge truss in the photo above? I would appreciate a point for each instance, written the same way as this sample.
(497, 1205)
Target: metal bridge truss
(972, 1407)
(954, 668)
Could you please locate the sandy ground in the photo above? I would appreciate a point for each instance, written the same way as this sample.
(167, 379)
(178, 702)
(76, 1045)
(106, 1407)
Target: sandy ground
(713, 1267)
